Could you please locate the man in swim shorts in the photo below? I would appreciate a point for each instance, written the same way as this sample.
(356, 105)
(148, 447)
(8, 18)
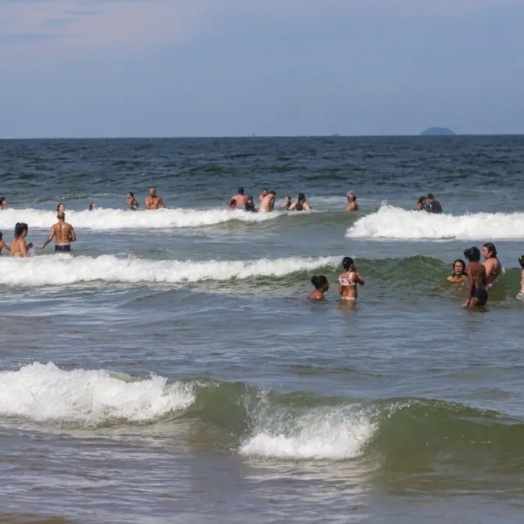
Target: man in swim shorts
(63, 233)
(153, 201)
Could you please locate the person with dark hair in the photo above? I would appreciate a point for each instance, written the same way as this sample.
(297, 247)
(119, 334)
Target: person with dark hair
(93, 206)
(421, 204)
(301, 204)
(520, 296)
(287, 204)
(63, 233)
(240, 197)
(268, 202)
(433, 205)
(233, 203)
(347, 281)
(476, 272)
(321, 285)
(19, 246)
(250, 205)
(458, 276)
(132, 202)
(60, 208)
(3, 244)
(491, 263)
(3, 203)
(352, 202)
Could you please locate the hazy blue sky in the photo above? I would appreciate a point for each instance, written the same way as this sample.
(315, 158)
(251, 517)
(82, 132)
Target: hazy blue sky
(73, 68)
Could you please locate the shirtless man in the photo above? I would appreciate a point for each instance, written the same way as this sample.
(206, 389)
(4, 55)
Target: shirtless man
(263, 195)
(240, 198)
(153, 201)
(268, 202)
(63, 233)
(491, 263)
(352, 202)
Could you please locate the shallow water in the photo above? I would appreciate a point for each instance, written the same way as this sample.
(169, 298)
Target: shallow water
(171, 370)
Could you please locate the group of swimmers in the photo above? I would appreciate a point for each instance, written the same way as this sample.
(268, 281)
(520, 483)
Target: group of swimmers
(347, 283)
(267, 198)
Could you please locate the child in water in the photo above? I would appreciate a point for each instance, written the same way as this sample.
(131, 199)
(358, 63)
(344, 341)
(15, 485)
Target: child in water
(458, 276)
(520, 296)
(321, 285)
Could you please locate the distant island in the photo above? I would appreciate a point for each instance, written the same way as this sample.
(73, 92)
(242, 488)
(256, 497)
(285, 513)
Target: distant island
(437, 131)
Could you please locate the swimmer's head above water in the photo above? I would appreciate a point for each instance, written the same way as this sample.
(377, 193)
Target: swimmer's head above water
(320, 282)
(21, 229)
(459, 267)
(489, 250)
(348, 263)
(472, 254)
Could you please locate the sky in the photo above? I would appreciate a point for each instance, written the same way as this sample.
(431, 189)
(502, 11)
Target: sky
(149, 68)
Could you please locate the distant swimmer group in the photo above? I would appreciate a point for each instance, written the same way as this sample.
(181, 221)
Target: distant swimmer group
(347, 283)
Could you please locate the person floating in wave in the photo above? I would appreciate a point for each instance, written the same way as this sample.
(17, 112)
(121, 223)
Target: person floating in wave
(421, 204)
(476, 272)
(491, 263)
(352, 202)
(301, 204)
(3, 203)
(347, 281)
(263, 195)
(3, 244)
(321, 285)
(93, 206)
(286, 204)
(268, 202)
(154, 201)
(520, 296)
(250, 205)
(19, 246)
(240, 198)
(432, 205)
(63, 233)
(132, 202)
(233, 203)
(458, 276)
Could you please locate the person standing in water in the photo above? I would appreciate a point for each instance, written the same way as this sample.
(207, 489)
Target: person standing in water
(268, 202)
(321, 285)
(433, 205)
(3, 244)
(301, 204)
(154, 201)
(459, 272)
(347, 281)
(19, 246)
(3, 203)
(520, 296)
(132, 202)
(477, 294)
(240, 198)
(491, 263)
(60, 208)
(63, 233)
(352, 202)
(286, 204)
(263, 195)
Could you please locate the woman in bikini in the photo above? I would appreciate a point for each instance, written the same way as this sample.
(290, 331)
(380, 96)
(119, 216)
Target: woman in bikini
(459, 272)
(301, 204)
(477, 281)
(347, 281)
(19, 246)
(321, 285)
(491, 263)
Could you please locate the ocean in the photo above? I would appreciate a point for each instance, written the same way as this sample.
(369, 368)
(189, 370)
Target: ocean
(171, 369)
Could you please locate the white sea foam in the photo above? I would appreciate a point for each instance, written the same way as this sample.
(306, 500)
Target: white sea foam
(323, 433)
(44, 392)
(114, 219)
(58, 270)
(398, 224)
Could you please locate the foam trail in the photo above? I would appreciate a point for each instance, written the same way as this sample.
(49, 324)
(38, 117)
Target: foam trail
(398, 224)
(323, 433)
(43, 392)
(114, 219)
(57, 270)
